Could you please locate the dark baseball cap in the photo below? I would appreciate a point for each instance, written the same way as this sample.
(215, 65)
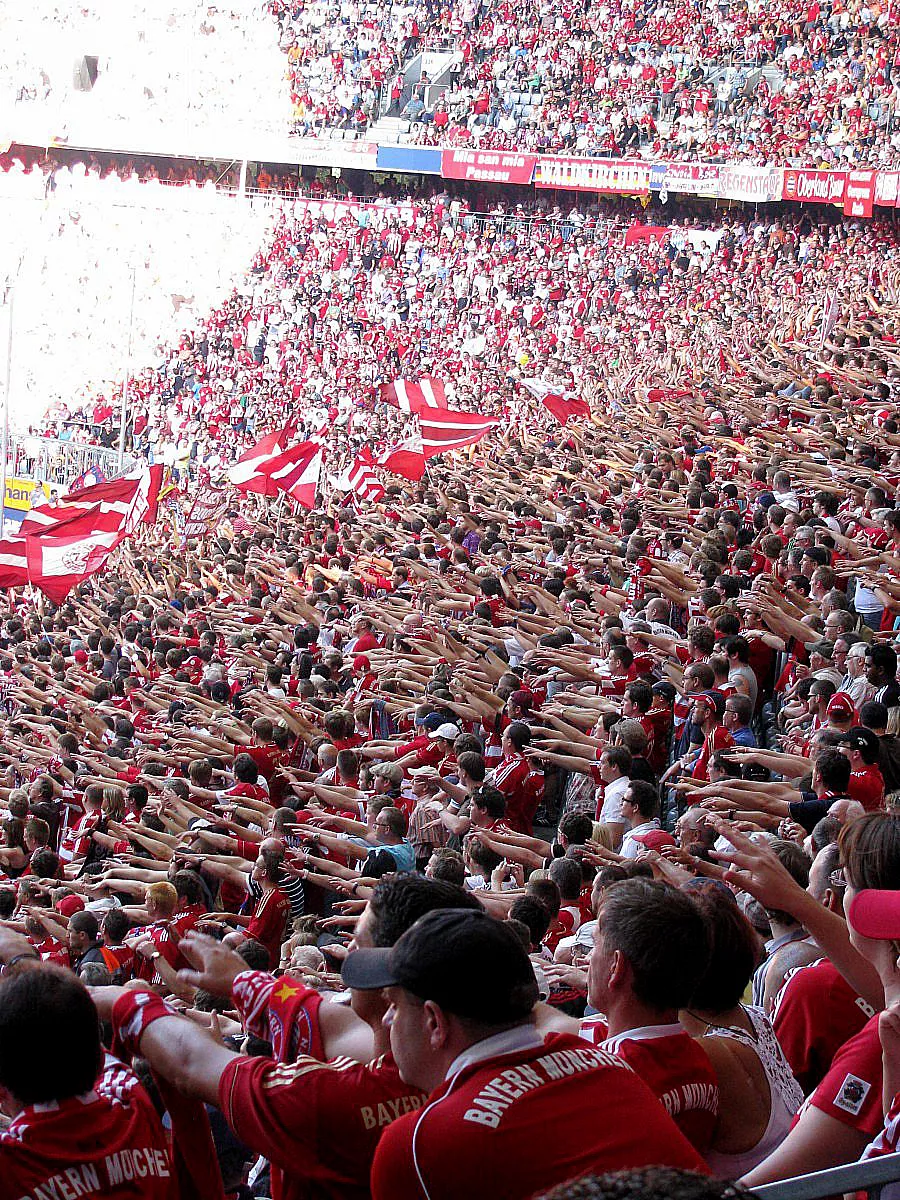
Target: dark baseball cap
(863, 739)
(468, 963)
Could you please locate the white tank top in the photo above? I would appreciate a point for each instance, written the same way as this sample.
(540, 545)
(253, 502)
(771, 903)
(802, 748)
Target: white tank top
(785, 1094)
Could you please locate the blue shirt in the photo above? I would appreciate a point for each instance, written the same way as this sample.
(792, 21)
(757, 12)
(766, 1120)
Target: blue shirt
(744, 737)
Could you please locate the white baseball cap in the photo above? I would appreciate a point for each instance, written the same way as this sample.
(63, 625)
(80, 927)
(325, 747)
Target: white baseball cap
(448, 731)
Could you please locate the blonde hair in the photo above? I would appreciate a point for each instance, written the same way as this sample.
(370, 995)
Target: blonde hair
(602, 834)
(163, 897)
(113, 803)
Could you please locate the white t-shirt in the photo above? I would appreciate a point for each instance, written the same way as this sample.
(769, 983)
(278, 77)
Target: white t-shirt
(613, 795)
(631, 848)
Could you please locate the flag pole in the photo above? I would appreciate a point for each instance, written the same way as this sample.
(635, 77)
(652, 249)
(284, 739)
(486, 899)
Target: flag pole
(4, 447)
(124, 417)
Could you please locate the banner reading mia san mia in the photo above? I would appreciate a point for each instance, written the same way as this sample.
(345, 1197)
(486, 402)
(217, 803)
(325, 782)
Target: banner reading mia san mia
(487, 166)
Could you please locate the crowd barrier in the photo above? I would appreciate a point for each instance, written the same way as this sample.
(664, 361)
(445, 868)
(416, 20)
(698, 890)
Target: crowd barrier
(868, 1178)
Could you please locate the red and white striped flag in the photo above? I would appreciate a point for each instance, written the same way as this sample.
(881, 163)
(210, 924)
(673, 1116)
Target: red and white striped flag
(412, 397)
(296, 472)
(360, 479)
(407, 458)
(13, 562)
(562, 404)
(54, 564)
(443, 429)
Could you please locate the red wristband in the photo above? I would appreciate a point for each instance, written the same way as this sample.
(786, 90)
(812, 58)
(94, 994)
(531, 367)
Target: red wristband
(131, 1016)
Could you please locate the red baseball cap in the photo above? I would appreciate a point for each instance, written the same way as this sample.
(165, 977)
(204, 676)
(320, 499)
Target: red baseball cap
(656, 839)
(875, 913)
(69, 905)
(840, 705)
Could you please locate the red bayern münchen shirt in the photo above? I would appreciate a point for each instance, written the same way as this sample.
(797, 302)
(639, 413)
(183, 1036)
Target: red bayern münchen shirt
(851, 1091)
(496, 1106)
(678, 1071)
(317, 1123)
(109, 1143)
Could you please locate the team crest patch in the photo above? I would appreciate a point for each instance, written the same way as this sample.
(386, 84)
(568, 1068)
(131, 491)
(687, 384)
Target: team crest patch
(852, 1095)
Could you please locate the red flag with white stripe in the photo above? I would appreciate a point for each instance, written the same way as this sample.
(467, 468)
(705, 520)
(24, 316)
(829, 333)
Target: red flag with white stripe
(563, 405)
(411, 397)
(248, 474)
(407, 458)
(296, 472)
(145, 503)
(443, 429)
(360, 479)
(13, 562)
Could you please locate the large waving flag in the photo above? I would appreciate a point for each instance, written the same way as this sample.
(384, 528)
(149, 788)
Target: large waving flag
(248, 473)
(54, 564)
(412, 397)
(119, 504)
(407, 458)
(296, 472)
(13, 562)
(563, 405)
(443, 429)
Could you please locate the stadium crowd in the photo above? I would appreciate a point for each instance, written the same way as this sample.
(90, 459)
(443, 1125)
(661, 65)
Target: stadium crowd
(779, 84)
(387, 835)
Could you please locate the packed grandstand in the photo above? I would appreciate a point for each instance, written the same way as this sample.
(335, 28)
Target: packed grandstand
(451, 565)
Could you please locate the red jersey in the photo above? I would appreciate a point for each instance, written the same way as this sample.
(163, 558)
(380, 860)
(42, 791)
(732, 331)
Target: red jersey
(317, 1123)
(718, 739)
(867, 786)
(267, 759)
(851, 1091)
(814, 1014)
(500, 1098)
(108, 1143)
(268, 921)
(185, 919)
(161, 936)
(282, 1011)
(523, 788)
(678, 1072)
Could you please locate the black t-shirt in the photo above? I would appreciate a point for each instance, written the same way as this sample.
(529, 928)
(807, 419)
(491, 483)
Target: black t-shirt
(889, 695)
(810, 809)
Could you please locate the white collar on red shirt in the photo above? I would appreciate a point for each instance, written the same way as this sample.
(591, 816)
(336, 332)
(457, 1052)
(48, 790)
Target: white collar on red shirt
(643, 1033)
(511, 1041)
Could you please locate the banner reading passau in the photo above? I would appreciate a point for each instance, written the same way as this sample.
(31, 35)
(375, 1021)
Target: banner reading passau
(626, 177)
(487, 166)
(814, 187)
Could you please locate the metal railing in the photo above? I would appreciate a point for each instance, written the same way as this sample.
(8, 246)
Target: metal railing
(59, 462)
(869, 1177)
